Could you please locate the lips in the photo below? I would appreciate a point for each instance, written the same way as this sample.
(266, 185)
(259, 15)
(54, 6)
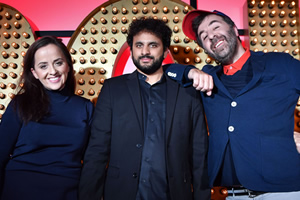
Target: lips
(54, 79)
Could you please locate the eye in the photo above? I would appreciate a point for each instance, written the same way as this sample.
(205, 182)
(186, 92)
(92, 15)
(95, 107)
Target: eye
(153, 45)
(215, 28)
(59, 63)
(138, 45)
(44, 66)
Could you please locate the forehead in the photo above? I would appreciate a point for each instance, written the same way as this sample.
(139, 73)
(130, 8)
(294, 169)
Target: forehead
(146, 37)
(210, 20)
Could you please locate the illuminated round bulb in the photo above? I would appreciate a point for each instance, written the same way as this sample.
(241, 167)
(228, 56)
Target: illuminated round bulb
(262, 13)
(80, 92)
(186, 40)
(2, 96)
(103, 39)
(176, 39)
(81, 81)
(91, 92)
(81, 70)
(252, 22)
(6, 35)
(82, 51)
(252, 13)
(273, 33)
(103, 10)
(92, 59)
(93, 40)
(274, 42)
(272, 4)
(292, 5)
(102, 50)
(15, 45)
(176, 19)
(93, 30)
(12, 74)
(135, 2)
(102, 60)
(294, 42)
(187, 60)
(186, 9)
(124, 11)
(263, 42)
(92, 50)
(154, 9)
(265, 50)
(165, 9)
(4, 54)
(295, 52)
(293, 23)
(145, 1)
(251, 4)
(2, 86)
(25, 35)
(102, 70)
(253, 42)
(113, 40)
(17, 25)
(114, 19)
(82, 60)
(272, 23)
(261, 4)
(124, 20)
(263, 32)
(208, 60)
(7, 15)
(224, 191)
(292, 14)
(284, 43)
(187, 49)
(282, 14)
(83, 31)
(93, 20)
(283, 33)
(103, 20)
(3, 75)
(7, 25)
(11, 95)
(262, 23)
(5, 45)
(253, 32)
(197, 50)
(283, 23)
(12, 85)
(175, 9)
(92, 71)
(175, 29)
(14, 55)
(101, 80)
(115, 10)
(286, 51)
(145, 10)
(113, 50)
(165, 19)
(294, 33)
(114, 30)
(83, 40)
(18, 16)
(197, 59)
(25, 45)
(272, 13)
(92, 81)
(175, 50)
(123, 29)
(281, 4)
(134, 10)
(4, 65)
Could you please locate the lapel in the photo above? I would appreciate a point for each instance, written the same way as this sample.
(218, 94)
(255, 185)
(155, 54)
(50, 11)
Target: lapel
(134, 91)
(172, 93)
(257, 63)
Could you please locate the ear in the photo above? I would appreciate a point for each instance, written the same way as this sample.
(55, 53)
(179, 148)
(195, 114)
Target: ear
(166, 52)
(34, 73)
(236, 31)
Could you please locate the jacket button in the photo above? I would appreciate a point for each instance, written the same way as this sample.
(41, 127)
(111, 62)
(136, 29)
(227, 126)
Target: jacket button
(134, 175)
(138, 145)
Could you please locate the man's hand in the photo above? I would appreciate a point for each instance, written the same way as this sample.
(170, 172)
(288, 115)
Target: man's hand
(297, 140)
(201, 81)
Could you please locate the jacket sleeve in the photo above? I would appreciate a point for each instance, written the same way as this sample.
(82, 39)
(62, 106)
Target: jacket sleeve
(97, 153)
(200, 182)
(179, 73)
(10, 127)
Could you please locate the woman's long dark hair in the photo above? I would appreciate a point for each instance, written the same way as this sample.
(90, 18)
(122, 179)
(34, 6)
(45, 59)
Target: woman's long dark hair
(32, 101)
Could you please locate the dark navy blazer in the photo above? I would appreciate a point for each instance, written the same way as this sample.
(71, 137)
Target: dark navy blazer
(259, 123)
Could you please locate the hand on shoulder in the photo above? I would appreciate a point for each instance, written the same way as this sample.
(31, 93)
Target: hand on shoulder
(201, 81)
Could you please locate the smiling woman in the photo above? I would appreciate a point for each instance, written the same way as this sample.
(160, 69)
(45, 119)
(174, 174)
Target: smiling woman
(42, 135)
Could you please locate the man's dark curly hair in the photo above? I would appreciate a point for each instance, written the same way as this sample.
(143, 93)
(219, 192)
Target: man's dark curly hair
(156, 26)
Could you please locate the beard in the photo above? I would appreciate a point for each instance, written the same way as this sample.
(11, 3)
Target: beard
(225, 56)
(148, 69)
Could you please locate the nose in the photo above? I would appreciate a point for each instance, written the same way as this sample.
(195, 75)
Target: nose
(211, 35)
(52, 69)
(145, 50)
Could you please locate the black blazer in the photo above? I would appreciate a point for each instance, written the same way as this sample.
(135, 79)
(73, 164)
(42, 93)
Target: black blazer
(117, 138)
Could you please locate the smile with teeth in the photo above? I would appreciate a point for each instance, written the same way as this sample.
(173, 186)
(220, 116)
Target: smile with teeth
(54, 79)
(219, 43)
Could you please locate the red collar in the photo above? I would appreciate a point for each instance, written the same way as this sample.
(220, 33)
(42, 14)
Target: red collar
(234, 67)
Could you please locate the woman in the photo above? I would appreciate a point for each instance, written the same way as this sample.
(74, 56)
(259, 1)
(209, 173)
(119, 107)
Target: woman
(45, 128)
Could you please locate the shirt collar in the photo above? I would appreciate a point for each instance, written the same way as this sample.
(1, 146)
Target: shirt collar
(234, 67)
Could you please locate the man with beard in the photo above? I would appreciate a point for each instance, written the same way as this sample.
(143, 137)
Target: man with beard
(250, 111)
(148, 138)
